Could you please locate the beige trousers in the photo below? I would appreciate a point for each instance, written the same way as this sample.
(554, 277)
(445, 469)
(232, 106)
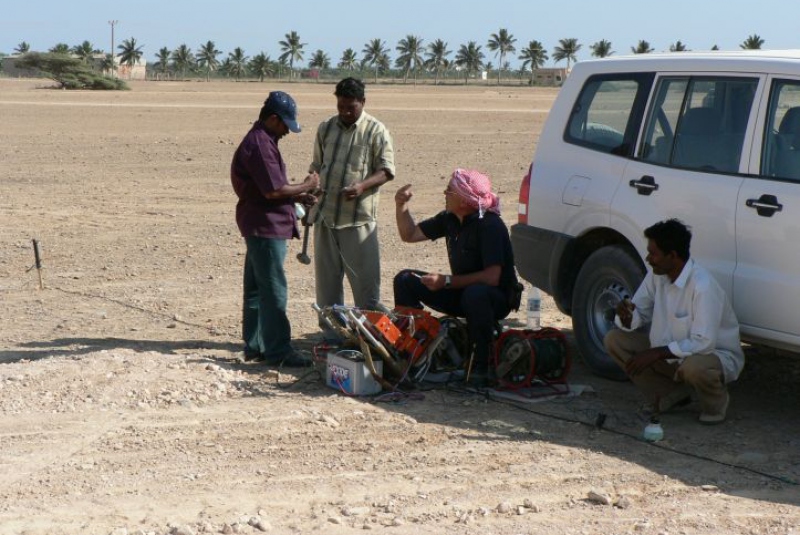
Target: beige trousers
(667, 382)
(352, 251)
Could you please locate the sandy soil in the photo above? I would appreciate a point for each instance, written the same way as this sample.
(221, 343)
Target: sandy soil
(125, 410)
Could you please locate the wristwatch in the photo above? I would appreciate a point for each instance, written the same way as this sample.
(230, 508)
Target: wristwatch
(448, 281)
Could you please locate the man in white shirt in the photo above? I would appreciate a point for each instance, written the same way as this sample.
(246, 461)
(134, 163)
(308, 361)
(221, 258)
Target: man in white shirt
(691, 336)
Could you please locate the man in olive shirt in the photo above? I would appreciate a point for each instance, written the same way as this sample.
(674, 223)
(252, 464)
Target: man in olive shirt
(354, 156)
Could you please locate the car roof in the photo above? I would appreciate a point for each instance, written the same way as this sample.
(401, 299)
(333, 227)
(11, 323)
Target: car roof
(756, 61)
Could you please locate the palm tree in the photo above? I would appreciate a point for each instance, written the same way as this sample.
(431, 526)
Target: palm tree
(534, 55)
(470, 58)
(23, 48)
(85, 51)
(374, 51)
(384, 63)
(601, 49)
(207, 58)
(130, 53)
(162, 61)
(107, 63)
(348, 61)
(410, 49)
(238, 62)
(319, 61)
(754, 42)
(182, 59)
(566, 49)
(437, 57)
(677, 46)
(282, 64)
(292, 49)
(225, 66)
(642, 47)
(60, 48)
(501, 43)
(448, 66)
(488, 67)
(261, 65)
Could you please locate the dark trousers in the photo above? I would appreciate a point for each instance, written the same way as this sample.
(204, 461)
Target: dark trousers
(482, 306)
(265, 326)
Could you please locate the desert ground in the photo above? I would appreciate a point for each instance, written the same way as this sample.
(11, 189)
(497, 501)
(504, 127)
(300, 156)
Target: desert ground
(125, 410)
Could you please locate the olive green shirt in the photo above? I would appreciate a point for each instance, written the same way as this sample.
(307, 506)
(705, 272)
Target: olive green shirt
(346, 155)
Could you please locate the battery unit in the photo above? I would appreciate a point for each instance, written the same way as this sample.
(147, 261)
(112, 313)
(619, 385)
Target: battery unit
(347, 371)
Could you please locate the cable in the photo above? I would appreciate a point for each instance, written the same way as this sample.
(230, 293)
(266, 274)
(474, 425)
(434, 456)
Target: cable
(141, 309)
(599, 424)
(399, 396)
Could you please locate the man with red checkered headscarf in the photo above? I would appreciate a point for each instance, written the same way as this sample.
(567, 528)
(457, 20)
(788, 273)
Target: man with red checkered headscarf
(482, 279)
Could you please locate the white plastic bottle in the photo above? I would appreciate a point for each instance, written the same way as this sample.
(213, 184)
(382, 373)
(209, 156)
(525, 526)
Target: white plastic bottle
(534, 309)
(653, 432)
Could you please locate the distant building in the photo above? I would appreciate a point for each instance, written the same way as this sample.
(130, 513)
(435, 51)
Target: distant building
(554, 76)
(136, 72)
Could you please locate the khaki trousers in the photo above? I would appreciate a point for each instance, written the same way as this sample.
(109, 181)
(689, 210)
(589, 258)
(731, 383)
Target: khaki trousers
(353, 251)
(664, 383)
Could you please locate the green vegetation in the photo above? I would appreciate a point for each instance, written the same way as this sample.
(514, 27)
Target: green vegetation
(69, 72)
(428, 61)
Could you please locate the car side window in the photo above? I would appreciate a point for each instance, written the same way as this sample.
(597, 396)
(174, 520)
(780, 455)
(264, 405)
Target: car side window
(698, 122)
(606, 112)
(780, 157)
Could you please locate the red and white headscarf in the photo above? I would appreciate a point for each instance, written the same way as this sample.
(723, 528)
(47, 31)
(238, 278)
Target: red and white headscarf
(476, 189)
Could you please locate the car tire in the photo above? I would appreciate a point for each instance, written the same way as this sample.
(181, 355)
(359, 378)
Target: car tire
(607, 276)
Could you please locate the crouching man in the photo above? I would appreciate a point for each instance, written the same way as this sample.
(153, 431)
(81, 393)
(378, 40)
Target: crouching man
(690, 340)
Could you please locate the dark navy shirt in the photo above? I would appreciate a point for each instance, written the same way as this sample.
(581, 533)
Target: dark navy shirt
(475, 244)
(257, 169)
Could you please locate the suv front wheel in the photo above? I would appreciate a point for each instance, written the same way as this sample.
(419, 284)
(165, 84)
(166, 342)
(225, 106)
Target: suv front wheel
(609, 275)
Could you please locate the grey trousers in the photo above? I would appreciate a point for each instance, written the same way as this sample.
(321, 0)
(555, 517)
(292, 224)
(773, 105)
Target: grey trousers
(352, 251)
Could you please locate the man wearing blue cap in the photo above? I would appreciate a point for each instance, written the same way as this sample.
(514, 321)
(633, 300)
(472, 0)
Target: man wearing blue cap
(266, 218)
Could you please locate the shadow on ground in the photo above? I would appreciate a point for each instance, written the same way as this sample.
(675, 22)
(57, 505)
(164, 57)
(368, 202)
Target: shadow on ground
(78, 346)
(758, 446)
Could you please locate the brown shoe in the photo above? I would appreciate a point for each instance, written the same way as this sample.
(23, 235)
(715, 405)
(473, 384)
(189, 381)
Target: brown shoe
(707, 418)
(678, 397)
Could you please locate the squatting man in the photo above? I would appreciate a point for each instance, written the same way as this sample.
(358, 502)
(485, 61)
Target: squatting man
(679, 332)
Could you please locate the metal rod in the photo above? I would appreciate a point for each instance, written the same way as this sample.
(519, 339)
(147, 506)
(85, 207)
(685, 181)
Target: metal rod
(38, 263)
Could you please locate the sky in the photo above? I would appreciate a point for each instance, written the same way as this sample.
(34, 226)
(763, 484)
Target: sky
(334, 25)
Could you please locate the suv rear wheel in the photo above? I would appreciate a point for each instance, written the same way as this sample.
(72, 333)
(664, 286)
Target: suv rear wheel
(609, 275)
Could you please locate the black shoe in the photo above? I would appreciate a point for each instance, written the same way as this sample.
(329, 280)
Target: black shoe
(482, 376)
(253, 357)
(292, 359)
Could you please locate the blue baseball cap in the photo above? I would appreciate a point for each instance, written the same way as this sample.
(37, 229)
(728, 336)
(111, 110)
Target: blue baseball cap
(282, 105)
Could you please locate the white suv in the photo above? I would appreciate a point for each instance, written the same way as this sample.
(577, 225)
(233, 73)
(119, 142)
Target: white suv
(710, 138)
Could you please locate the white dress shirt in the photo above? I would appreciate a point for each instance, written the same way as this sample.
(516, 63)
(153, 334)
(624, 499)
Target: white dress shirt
(691, 316)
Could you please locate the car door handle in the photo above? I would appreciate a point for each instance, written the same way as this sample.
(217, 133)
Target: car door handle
(766, 205)
(645, 185)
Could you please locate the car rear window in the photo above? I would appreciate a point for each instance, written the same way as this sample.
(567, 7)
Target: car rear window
(606, 113)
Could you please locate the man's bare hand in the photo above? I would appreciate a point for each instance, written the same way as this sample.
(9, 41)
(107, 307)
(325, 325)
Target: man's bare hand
(433, 281)
(644, 360)
(311, 182)
(306, 199)
(353, 192)
(403, 195)
(625, 310)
